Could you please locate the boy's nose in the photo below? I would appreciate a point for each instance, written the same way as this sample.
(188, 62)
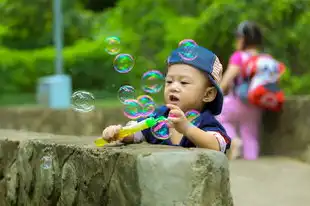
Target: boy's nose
(174, 87)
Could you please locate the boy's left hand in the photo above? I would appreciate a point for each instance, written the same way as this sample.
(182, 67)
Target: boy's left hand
(177, 119)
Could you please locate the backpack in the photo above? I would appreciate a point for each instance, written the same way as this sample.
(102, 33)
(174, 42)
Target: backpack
(260, 87)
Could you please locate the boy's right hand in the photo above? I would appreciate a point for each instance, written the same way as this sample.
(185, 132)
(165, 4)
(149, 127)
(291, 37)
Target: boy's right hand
(111, 132)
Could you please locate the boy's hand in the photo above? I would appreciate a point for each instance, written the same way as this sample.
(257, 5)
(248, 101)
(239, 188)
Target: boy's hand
(177, 119)
(111, 132)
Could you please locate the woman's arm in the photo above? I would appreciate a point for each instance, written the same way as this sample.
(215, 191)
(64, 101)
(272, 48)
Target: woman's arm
(229, 76)
(232, 71)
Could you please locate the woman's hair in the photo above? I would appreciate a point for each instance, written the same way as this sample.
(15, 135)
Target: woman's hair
(251, 34)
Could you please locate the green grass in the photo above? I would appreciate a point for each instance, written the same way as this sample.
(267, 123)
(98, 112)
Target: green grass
(29, 100)
(17, 99)
(108, 103)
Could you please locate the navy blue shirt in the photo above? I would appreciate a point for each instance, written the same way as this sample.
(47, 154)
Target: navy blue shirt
(207, 123)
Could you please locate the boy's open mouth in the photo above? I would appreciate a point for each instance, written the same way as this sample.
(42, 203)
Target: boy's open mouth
(173, 98)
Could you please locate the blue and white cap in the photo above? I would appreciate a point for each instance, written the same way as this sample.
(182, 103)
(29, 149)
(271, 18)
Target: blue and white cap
(208, 62)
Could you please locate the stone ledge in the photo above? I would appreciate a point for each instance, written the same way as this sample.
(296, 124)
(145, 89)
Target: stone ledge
(287, 133)
(77, 173)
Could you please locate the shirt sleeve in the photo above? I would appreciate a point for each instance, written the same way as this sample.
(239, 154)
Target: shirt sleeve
(222, 138)
(236, 59)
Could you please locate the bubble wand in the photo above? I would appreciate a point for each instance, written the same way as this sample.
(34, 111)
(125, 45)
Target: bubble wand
(131, 129)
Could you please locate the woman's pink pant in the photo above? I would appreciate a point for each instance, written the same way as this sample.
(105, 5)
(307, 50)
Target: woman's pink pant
(245, 119)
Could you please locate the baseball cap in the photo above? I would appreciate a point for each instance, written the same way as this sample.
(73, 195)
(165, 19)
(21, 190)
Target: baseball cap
(206, 61)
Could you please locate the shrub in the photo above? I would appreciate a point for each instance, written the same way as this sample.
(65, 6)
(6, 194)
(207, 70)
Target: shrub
(150, 29)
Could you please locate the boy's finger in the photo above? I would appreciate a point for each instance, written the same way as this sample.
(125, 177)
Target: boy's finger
(118, 127)
(174, 120)
(109, 134)
(116, 130)
(105, 133)
(170, 123)
(174, 113)
(171, 106)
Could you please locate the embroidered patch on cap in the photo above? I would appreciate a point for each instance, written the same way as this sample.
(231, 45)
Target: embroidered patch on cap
(217, 70)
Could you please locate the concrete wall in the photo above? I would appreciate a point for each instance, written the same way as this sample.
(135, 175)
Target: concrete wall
(288, 133)
(284, 133)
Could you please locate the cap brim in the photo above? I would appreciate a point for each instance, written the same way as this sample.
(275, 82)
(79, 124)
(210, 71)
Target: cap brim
(215, 107)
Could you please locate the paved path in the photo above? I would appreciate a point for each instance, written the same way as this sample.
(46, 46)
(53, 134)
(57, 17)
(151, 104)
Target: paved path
(270, 182)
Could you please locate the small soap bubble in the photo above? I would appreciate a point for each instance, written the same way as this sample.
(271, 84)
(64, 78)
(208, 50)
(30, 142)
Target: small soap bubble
(82, 101)
(161, 130)
(194, 117)
(149, 109)
(145, 99)
(126, 92)
(46, 162)
(132, 109)
(112, 45)
(187, 42)
(123, 63)
(152, 81)
(189, 49)
(148, 105)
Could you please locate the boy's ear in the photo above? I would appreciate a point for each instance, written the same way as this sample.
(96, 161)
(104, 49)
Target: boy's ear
(210, 94)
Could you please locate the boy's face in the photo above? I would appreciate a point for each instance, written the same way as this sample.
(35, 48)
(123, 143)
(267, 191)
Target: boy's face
(188, 87)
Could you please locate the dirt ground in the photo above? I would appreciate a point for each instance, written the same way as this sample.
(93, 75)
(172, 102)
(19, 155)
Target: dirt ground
(270, 182)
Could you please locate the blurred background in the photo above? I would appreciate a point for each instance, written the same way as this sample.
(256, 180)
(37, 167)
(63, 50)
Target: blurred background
(148, 30)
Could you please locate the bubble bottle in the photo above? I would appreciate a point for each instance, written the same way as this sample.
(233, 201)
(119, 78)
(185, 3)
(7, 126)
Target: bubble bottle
(131, 129)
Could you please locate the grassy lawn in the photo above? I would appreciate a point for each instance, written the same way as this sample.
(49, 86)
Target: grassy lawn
(29, 100)
(17, 99)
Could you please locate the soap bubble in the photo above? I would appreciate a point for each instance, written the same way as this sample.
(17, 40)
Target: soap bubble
(126, 92)
(148, 105)
(152, 81)
(161, 130)
(194, 117)
(123, 63)
(112, 45)
(132, 109)
(187, 42)
(46, 162)
(145, 99)
(82, 101)
(189, 50)
(149, 109)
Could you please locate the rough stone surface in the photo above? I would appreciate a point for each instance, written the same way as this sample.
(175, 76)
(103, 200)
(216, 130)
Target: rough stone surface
(43, 169)
(288, 132)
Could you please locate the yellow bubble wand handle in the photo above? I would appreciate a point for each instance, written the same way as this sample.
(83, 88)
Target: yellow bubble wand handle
(131, 129)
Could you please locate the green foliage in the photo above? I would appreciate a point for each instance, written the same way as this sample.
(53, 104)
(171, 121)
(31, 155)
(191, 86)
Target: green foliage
(30, 23)
(21, 69)
(87, 62)
(295, 85)
(149, 30)
(153, 29)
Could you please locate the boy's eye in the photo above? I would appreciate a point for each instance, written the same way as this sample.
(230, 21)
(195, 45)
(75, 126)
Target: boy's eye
(184, 82)
(168, 81)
